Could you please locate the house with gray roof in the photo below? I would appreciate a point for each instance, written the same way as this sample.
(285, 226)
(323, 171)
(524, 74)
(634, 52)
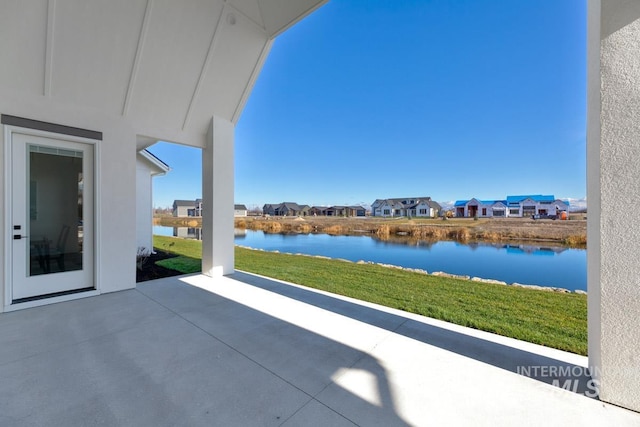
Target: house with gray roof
(407, 206)
(346, 211)
(285, 209)
(184, 208)
(239, 210)
(294, 209)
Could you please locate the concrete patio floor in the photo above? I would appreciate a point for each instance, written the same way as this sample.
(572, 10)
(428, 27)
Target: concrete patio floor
(246, 350)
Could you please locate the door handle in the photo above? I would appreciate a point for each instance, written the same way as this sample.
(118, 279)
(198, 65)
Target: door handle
(18, 237)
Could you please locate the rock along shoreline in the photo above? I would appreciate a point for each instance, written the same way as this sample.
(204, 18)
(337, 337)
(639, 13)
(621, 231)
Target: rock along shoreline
(435, 273)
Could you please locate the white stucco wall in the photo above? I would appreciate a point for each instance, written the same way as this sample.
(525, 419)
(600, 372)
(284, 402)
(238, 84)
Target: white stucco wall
(429, 211)
(217, 196)
(382, 208)
(117, 247)
(3, 225)
(144, 204)
(613, 151)
(115, 171)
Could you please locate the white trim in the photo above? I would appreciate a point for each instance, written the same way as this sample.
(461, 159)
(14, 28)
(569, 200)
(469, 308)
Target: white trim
(142, 37)
(9, 130)
(48, 66)
(7, 223)
(155, 161)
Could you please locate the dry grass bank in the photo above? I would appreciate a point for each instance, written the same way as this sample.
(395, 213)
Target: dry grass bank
(572, 233)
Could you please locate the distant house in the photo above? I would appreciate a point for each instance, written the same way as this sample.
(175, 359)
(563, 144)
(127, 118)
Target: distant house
(409, 206)
(285, 209)
(423, 208)
(239, 210)
(338, 210)
(346, 211)
(288, 209)
(147, 166)
(513, 206)
(318, 210)
(269, 209)
(185, 208)
(356, 211)
(193, 208)
(294, 209)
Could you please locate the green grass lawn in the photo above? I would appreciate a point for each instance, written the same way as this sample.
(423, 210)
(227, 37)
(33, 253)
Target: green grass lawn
(548, 318)
(189, 259)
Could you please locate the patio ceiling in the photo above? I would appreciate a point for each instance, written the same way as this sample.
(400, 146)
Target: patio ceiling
(161, 64)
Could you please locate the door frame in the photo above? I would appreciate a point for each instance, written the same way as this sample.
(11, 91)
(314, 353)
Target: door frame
(47, 130)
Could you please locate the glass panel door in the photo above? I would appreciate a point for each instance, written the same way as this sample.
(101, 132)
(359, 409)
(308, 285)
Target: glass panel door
(52, 216)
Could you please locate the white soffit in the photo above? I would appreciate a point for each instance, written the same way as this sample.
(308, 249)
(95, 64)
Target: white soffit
(225, 96)
(278, 15)
(173, 55)
(250, 9)
(23, 32)
(167, 66)
(94, 47)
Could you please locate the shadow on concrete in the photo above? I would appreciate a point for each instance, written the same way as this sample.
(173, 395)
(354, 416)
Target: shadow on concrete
(310, 362)
(551, 371)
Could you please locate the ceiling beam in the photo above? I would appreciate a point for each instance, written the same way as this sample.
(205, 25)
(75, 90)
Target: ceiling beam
(48, 53)
(204, 69)
(136, 62)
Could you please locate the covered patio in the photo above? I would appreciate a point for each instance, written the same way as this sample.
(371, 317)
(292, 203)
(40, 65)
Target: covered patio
(247, 350)
(237, 350)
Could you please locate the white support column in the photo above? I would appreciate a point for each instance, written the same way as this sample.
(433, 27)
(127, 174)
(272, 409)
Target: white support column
(217, 199)
(613, 190)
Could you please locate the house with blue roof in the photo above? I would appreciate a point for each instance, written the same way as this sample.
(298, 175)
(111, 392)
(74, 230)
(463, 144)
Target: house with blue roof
(520, 206)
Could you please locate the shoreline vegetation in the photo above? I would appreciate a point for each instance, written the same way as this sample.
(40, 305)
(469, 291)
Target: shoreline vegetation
(571, 233)
(553, 319)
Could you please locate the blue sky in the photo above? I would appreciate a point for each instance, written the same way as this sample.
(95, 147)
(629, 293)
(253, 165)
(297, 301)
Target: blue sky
(452, 99)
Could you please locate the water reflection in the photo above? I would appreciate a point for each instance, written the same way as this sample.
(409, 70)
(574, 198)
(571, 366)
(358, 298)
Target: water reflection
(194, 233)
(526, 263)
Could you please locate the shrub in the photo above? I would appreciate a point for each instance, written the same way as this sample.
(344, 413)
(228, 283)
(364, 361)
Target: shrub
(142, 256)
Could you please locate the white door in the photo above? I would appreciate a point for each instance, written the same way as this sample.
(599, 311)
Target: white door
(51, 217)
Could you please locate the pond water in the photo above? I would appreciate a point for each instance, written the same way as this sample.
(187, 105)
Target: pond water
(527, 264)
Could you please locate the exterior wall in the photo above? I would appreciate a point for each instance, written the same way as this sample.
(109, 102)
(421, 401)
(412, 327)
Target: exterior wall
(613, 175)
(383, 208)
(498, 212)
(115, 233)
(429, 210)
(4, 226)
(484, 211)
(144, 205)
(561, 206)
(182, 211)
(239, 213)
(499, 207)
(470, 207)
(268, 210)
(514, 214)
